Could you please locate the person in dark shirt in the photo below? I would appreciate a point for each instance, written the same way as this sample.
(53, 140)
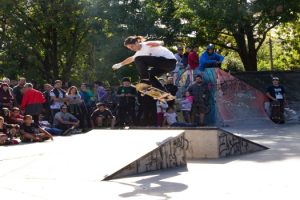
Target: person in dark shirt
(17, 91)
(126, 108)
(102, 117)
(7, 133)
(31, 132)
(172, 88)
(276, 93)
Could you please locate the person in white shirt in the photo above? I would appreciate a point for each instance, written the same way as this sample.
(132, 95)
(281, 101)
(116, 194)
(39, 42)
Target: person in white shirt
(151, 59)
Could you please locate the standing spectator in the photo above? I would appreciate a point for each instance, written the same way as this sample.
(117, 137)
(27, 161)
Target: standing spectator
(31, 132)
(179, 65)
(7, 81)
(32, 102)
(210, 59)
(48, 102)
(17, 91)
(87, 104)
(193, 61)
(75, 102)
(186, 106)
(276, 95)
(170, 87)
(161, 108)
(185, 57)
(200, 107)
(65, 121)
(126, 108)
(102, 117)
(6, 97)
(100, 92)
(58, 98)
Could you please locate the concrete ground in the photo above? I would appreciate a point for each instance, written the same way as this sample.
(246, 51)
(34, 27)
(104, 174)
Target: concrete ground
(64, 170)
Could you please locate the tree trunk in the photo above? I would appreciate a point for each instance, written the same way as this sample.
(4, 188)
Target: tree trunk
(246, 49)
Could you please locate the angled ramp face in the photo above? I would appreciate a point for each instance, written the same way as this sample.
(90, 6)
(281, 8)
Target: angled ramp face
(232, 145)
(169, 154)
(213, 143)
(232, 100)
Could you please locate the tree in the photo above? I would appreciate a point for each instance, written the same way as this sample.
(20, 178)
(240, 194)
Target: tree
(239, 25)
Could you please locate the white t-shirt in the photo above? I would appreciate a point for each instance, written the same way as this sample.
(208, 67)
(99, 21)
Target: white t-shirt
(55, 104)
(158, 51)
(171, 118)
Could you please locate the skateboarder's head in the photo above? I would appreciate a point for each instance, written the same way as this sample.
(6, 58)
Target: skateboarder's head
(133, 42)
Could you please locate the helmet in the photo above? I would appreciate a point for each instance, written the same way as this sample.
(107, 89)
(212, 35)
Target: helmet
(210, 46)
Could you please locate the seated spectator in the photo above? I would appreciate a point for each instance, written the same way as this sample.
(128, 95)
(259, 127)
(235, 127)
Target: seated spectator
(15, 116)
(7, 133)
(186, 106)
(6, 97)
(170, 119)
(5, 113)
(102, 117)
(65, 121)
(31, 132)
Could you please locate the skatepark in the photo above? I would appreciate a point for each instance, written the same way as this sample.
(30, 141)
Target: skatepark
(244, 156)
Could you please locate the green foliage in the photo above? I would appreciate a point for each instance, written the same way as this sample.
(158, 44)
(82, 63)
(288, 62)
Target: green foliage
(79, 40)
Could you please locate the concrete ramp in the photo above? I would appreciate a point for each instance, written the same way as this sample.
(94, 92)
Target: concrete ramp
(212, 143)
(170, 153)
(232, 101)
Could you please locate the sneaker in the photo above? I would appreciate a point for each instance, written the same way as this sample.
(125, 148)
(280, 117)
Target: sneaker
(68, 132)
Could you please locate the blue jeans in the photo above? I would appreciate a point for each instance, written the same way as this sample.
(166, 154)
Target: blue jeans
(54, 131)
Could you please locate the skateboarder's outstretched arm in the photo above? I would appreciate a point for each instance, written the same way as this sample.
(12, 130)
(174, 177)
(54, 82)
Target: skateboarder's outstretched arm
(127, 61)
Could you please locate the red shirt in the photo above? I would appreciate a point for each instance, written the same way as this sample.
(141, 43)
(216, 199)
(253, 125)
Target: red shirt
(193, 60)
(32, 96)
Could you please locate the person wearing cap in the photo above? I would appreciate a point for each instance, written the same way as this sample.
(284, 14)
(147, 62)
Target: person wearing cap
(200, 106)
(209, 58)
(102, 117)
(126, 108)
(276, 93)
(15, 116)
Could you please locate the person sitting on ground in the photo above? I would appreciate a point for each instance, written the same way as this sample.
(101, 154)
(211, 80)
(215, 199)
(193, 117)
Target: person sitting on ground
(8, 133)
(161, 107)
(15, 116)
(276, 93)
(102, 117)
(170, 119)
(31, 132)
(65, 121)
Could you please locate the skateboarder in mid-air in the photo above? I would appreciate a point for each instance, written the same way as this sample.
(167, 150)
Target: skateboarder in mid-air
(151, 59)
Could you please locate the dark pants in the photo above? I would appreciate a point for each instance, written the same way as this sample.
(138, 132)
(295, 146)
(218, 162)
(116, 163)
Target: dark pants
(158, 66)
(126, 114)
(147, 115)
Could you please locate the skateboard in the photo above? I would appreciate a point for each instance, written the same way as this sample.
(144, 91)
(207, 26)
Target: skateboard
(153, 92)
(276, 114)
